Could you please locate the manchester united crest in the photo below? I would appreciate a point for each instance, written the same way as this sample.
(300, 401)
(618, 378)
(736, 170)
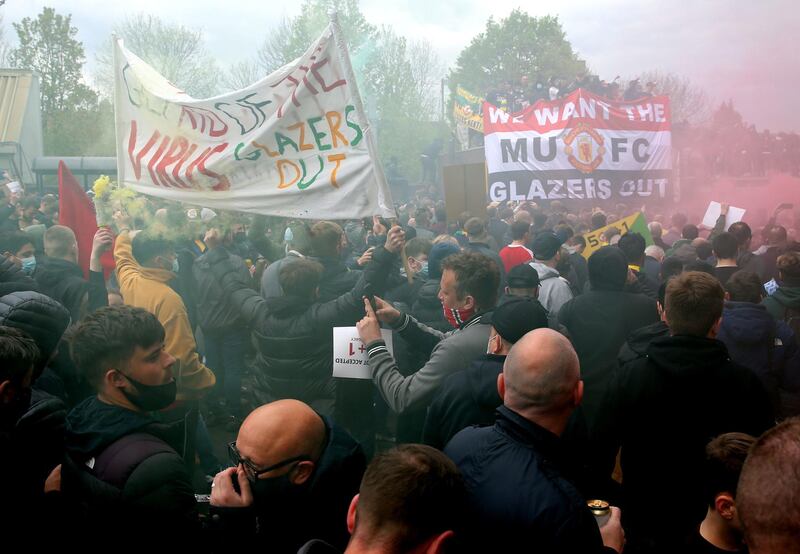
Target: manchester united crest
(584, 148)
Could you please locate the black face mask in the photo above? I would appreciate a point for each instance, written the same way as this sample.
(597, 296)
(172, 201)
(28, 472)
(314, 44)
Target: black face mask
(151, 398)
(11, 412)
(273, 491)
(239, 237)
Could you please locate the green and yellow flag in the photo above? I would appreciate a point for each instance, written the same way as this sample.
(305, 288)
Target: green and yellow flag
(467, 109)
(635, 223)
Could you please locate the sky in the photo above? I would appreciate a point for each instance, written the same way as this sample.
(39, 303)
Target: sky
(742, 50)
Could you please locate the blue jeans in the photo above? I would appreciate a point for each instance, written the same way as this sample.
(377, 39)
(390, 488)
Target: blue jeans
(225, 351)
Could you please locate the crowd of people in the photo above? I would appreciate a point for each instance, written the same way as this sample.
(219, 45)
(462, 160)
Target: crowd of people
(515, 97)
(641, 399)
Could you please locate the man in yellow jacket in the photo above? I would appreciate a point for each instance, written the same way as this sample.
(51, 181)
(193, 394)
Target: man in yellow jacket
(144, 270)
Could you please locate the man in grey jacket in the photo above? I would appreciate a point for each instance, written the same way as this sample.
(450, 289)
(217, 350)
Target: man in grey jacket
(468, 291)
(554, 290)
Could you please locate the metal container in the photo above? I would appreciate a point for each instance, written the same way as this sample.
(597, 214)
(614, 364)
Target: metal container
(600, 510)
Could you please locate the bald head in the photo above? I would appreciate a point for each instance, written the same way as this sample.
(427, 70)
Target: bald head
(281, 430)
(541, 373)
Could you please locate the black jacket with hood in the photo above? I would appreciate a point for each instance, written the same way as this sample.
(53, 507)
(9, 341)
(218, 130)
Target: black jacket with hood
(669, 405)
(599, 322)
(294, 335)
(336, 280)
(63, 281)
(45, 320)
(214, 312)
(639, 341)
(428, 308)
(124, 468)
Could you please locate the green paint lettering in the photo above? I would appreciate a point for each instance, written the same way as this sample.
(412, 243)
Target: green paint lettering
(353, 126)
(302, 184)
(282, 141)
(318, 135)
(254, 155)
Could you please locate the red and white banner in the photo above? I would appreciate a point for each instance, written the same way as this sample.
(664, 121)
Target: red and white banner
(582, 147)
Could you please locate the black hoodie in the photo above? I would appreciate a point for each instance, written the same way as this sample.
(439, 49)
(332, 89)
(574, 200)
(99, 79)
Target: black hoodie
(670, 404)
(600, 321)
(639, 341)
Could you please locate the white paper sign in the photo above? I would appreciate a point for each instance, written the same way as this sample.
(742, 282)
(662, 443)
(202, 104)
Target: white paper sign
(713, 213)
(350, 353)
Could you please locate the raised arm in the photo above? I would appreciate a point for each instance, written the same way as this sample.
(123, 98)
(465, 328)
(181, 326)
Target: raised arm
(346, 309)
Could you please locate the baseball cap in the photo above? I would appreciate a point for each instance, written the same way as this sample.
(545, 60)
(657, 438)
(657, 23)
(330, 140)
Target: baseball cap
(518, 316)
(522, 276)
(545, 245)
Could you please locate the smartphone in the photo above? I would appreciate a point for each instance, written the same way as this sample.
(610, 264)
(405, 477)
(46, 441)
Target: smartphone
(369, 293)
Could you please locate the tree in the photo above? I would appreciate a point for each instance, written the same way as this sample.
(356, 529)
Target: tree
(82, 132)
(176, 52)
(427, 72)
(73, 122)
(273, 52)
(293, 36)
(726, 117)
(47, 45)
(689, 102)
(398, 80)
(517, 45)
(242, 74)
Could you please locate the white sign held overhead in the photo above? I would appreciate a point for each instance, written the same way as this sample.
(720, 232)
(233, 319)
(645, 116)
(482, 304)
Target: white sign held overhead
(350, 353)
(715, 209)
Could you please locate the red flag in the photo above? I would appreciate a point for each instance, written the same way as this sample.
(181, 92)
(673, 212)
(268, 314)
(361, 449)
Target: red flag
(76, 211)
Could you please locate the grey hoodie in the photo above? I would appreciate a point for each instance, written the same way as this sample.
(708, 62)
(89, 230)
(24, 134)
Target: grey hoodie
(554, 290)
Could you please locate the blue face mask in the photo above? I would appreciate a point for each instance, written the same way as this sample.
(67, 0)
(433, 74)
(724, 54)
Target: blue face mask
(28, 265)
(175, 266)
(424, 268)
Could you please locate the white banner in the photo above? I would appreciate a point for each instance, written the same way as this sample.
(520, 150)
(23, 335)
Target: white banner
(294, 144)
